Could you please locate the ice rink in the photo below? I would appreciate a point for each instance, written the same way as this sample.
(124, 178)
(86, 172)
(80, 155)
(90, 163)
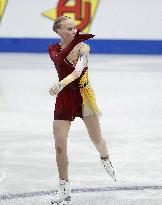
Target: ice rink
(128, 90)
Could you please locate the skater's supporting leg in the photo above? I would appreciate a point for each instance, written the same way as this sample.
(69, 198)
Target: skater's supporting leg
(93, 127)
(60, 132)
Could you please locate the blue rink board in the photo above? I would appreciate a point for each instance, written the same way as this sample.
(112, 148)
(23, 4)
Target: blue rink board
(98, 46)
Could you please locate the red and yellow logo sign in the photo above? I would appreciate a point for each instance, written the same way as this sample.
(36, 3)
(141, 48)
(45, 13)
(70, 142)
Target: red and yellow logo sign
(3, 4)
(82, 11)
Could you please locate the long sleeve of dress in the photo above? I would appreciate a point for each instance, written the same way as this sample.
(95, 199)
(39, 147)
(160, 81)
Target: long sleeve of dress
(58, 57)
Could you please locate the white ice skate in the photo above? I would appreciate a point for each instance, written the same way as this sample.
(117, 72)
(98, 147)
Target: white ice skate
(63, 194)
(108, 167)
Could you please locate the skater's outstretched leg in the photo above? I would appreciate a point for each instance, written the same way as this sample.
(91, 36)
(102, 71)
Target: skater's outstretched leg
(93, 127)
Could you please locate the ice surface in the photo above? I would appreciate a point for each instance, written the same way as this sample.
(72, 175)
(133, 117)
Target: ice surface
(129, 94)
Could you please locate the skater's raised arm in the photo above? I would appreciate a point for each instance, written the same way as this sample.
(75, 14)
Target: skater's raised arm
(70, 37)
(58, 57)
(81, 64)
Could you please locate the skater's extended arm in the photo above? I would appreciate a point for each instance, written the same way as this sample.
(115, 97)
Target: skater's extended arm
(81, 64)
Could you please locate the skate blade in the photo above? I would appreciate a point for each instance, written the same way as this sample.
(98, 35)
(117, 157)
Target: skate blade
(64, 202)
(61, 203)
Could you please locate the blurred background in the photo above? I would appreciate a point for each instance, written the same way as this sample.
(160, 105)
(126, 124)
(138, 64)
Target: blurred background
(125, 71)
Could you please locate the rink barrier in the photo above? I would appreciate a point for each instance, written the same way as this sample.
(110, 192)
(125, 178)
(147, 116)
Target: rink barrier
(81, 190)
(98, 46)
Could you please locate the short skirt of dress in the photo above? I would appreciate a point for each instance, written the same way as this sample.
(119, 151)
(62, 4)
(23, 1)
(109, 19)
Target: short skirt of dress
(76, 103)
(68, 105)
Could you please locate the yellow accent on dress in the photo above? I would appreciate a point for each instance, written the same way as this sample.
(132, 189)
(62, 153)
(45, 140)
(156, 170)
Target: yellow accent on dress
(89, 100)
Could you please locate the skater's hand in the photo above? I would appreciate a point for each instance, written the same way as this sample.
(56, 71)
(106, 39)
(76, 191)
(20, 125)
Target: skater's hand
(81, 37)
(55, 89)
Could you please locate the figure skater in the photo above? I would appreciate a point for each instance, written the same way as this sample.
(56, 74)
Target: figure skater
(75, 98)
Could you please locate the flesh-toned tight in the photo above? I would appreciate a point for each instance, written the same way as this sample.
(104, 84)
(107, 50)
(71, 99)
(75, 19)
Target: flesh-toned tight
(60, 132)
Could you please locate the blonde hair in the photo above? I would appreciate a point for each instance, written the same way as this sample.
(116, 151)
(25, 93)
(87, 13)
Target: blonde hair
(58, 21)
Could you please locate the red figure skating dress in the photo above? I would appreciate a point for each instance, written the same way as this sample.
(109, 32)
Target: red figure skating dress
(77, 99)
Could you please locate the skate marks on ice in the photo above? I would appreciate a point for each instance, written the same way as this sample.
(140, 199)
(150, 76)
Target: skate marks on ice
(149, 195)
